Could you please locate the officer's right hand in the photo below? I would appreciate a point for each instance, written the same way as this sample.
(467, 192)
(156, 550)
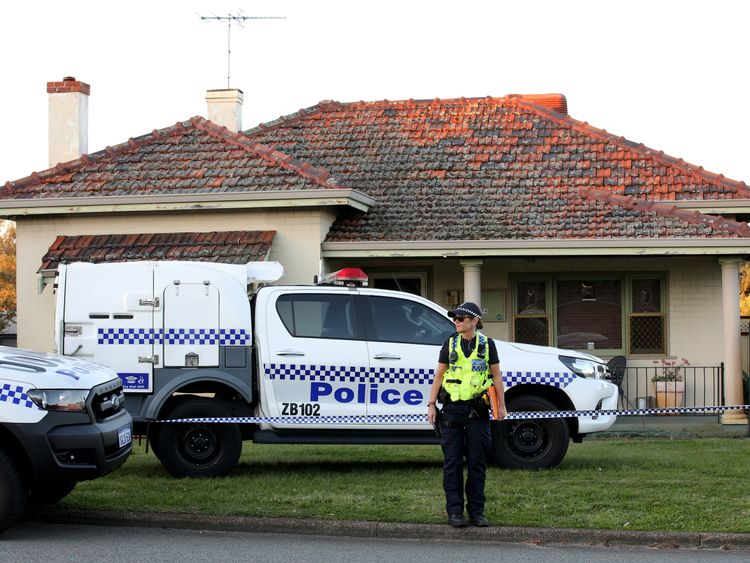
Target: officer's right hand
(431, 414)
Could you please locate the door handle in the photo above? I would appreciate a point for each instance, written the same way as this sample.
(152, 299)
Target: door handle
(290, 353)
(386, 357)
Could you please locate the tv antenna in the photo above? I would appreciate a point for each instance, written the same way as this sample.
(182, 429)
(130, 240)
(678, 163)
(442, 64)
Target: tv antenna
(240, 21)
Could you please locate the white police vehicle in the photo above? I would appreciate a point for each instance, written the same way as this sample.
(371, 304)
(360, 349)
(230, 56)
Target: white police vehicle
(62, 420)
(187, 342)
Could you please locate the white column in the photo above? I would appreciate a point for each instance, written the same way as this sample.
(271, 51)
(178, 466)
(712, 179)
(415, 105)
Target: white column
(730, 306)
(473, 280)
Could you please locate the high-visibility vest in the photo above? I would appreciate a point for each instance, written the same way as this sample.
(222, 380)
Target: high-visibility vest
(465, 377)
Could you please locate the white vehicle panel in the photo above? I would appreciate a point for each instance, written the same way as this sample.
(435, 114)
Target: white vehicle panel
(191, 324)
(113, 326)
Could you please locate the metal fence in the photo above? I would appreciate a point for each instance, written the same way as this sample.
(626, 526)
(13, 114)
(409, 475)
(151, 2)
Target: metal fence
(699, 386)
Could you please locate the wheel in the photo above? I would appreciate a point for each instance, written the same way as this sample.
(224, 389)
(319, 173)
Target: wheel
(154, 434)
(530, 444)
(198, 450)
(13, 491)
(50, 493)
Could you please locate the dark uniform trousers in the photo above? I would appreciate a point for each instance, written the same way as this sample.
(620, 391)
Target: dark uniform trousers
(465, 432)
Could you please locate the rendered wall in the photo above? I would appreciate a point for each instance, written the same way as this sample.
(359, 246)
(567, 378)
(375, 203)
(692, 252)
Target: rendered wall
(296, 245)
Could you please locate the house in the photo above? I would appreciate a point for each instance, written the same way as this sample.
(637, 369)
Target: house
(566, 234)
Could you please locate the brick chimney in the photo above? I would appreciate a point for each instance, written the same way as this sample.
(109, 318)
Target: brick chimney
(68, 119)
(225, 108)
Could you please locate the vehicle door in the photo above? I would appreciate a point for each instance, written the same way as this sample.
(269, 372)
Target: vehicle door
(315, 360)
(191, 325)
(114, 327)
(404, 337)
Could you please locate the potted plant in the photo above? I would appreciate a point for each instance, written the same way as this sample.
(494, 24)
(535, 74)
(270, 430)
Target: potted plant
(670, 386)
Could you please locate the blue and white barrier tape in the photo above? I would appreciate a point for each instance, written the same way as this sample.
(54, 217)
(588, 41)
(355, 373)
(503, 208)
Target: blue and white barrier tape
(399, 418)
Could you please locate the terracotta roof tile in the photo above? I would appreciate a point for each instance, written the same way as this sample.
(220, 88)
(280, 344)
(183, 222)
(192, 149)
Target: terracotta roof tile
(234, 247)
(195, 156)
(492, 168)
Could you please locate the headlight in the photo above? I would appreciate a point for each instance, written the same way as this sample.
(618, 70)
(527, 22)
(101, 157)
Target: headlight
(584, 368)
(73, 400)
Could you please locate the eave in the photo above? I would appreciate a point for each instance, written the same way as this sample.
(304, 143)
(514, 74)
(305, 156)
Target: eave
(538, 247)
(713, 206)
(13, 208)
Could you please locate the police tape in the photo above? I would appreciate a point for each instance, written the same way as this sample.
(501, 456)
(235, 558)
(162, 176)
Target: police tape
(399, 418)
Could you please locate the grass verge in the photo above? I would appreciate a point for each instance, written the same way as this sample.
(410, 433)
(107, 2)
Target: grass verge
(652, 484)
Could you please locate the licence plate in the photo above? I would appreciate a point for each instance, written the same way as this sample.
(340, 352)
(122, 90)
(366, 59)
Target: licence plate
(123, 435)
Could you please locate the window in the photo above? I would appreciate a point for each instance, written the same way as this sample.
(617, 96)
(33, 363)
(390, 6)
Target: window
(397, 320)
(531, 323)
(613, 313)
(407, 282)
(317, 315)
(646, 320)
(589, 314)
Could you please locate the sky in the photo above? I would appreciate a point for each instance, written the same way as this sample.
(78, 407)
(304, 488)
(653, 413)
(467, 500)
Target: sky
(673, 75)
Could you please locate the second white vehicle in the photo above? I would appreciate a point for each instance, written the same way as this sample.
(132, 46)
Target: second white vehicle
(187, 342)
(62, 420)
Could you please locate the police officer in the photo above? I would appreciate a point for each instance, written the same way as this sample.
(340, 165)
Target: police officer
(468, 365)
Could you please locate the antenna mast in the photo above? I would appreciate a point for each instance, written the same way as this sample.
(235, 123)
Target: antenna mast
(229, 18)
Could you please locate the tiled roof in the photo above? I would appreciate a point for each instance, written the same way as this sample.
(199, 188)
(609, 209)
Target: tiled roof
(195, 156)
(231, 247)
(494, 168)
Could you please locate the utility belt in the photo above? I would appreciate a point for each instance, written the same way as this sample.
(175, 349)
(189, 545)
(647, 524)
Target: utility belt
(476, 408)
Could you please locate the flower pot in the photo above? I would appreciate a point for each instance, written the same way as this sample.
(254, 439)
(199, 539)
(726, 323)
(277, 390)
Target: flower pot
(669, 394)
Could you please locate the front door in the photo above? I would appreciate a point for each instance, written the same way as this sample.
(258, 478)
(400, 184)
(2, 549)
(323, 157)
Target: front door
(316, 358)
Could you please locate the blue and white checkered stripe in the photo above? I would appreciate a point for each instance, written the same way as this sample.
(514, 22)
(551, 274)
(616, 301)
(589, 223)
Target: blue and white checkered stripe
(174, 336)
(234, 337)
(395, 375)
(555, 379)
(401, 418)
(15, 395)
(348, 374)
(128, 335)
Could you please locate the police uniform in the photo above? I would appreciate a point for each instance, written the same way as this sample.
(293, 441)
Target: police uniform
(464, 422)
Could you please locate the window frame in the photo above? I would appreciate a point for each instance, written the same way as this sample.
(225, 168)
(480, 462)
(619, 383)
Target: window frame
(356, 318)
(363, 309)
(551, 280)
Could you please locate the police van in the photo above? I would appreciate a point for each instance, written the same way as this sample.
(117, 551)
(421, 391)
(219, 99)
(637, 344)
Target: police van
(206, 340)
(62, 420)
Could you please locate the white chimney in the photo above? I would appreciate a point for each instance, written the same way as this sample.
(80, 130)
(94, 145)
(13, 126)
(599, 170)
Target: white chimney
(225, 108)
(68, 119)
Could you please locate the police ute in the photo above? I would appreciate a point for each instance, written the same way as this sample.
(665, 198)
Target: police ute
(206, 340)
(62, 420)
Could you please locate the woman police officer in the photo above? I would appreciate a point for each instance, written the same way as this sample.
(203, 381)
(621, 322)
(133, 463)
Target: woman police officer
(468, 365)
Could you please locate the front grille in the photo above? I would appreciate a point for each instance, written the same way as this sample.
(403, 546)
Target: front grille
(108, 399)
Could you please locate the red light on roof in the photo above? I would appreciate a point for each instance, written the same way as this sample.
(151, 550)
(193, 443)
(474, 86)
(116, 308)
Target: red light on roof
(346, 276)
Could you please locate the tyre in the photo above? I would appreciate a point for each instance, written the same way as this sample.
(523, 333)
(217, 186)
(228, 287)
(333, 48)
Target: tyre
(13, 491)
(530, 444)
(154, 433)
(50, 493)
(198, 450)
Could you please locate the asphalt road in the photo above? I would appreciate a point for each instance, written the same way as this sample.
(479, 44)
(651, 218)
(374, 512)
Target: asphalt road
(51, 543)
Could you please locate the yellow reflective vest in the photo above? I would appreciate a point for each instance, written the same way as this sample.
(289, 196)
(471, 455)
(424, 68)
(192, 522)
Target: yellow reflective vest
(465, 377)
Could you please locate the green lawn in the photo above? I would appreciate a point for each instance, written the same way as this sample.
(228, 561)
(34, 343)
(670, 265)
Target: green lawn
(636, 484)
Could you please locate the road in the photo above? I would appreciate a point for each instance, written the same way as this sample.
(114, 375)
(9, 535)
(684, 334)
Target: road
(29, 541)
